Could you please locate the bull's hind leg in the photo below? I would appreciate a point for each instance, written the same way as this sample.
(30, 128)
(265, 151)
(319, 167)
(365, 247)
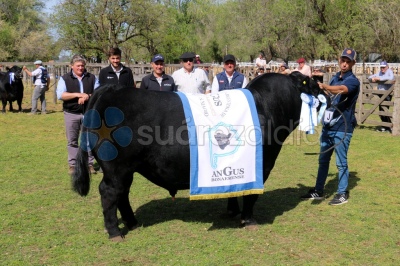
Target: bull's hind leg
(125, 208)
(109, 199)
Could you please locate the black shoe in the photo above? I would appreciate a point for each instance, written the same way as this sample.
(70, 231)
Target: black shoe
(313, 195)
(340, 199)
(381, 129)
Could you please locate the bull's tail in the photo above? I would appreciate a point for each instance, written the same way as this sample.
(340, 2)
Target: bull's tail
(81, 175)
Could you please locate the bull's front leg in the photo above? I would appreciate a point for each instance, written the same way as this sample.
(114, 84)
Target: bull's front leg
(247, 219)
(11, 107)
(4, 102)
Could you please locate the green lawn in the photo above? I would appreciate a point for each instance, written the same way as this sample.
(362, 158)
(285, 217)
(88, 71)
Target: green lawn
(44, 223)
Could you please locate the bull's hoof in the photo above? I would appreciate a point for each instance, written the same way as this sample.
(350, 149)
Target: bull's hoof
(249, 224)
(117, 239)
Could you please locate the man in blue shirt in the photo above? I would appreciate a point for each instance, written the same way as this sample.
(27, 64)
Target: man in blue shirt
(74, 89)
(383, 76)
(338, 127)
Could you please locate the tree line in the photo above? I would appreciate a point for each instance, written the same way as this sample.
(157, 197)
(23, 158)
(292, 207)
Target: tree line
(285, 29)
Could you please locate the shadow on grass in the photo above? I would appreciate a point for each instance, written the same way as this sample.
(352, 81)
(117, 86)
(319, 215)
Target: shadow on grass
(269, 205)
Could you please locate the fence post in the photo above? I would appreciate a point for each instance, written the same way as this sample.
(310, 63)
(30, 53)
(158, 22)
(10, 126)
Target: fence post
(396, 108)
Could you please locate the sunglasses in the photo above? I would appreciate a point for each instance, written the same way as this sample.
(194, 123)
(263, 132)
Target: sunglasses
(187, 59)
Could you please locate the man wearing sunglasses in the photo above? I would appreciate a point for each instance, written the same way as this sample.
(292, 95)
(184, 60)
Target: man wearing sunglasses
(229, 79)
(190, 79)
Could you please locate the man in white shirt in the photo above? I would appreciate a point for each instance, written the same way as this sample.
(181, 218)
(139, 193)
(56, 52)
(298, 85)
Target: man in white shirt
(41, 81)
(228, 79)
(260, 61)
(303, 68)
(190, 79)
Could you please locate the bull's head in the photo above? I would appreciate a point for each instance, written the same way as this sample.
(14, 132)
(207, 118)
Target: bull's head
(305, 84)
(17, 71)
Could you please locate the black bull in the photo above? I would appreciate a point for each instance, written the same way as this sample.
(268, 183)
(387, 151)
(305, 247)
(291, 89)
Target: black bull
(11, 89)
(278, 103)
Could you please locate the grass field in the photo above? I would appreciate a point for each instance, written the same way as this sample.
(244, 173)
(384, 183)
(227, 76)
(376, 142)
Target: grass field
(44, 223)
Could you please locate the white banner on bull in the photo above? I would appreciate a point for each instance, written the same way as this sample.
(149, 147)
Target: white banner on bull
(225, 144)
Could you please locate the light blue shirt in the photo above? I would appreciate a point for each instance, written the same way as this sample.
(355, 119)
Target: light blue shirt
(383, 77)
(61, 87)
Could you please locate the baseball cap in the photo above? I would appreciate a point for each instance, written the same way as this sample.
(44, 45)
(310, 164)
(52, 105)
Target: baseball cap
(229, 57)
(284, 65)
(197, 55)
(301, 60)
(187, 55)
(157, 57)
(349, 53)
(383, 64)
(37, 62)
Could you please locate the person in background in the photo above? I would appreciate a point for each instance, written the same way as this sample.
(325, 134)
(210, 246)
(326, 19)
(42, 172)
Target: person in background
(318, 74)
(229, 79)
(284, 69)
(75, 89)
(260, 71)
(268, 69)
(337, 129)
(116, 73)
(158, 80)
(303, 68)
(386, 74)
(260, 61)
(41, 80)
(190, 79)
(197, 60)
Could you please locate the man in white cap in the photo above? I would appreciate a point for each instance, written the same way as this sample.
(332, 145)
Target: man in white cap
(382, 77)
(197, 60)
(41, 81)
(190, 79)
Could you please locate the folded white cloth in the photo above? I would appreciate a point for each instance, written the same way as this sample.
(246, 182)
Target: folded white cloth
(11, 77)
(308, 115)
(322, 99)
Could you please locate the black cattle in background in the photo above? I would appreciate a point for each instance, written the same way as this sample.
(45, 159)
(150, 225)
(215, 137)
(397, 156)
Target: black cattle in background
(278, 104)
(11, 88)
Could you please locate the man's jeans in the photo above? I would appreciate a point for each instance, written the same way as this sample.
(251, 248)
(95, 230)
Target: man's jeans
(327, 140)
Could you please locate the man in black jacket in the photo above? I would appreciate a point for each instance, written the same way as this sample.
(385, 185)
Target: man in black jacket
(116, 73)
(158, 80)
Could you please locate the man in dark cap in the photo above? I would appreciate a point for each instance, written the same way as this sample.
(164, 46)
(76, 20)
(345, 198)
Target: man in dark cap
(228, 79)
(338, 127)
(190, 79)
(158, 80)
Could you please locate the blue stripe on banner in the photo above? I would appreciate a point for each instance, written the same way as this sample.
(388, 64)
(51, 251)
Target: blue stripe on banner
(192, 138)
(258, 133)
